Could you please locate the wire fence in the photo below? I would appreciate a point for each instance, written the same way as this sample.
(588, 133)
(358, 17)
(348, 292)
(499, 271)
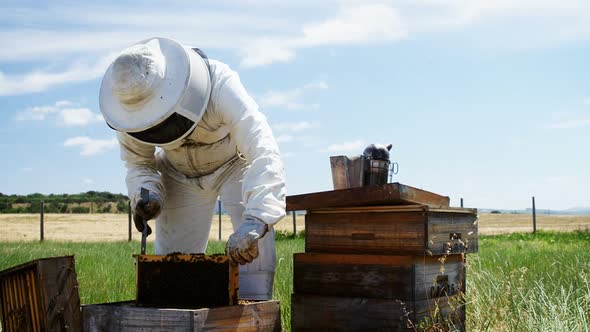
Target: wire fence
(107, 226)
(119, 226)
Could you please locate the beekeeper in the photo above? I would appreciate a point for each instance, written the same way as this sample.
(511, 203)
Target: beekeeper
(213, 142)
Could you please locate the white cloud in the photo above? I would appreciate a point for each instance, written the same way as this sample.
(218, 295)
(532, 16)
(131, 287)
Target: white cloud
(578, 122)
(294, 126)
(271, 33)
(268, 34)
(41, 80)
(90, 146)
(289, 99)
(284, 138)
(78, 117)
(579, 117)
(437, 14)
(287, 155)
(501, 25)
(354, 146)
(558, 180)
(63, 103)
(111, 28)
(37, 113)
(359, 23)
(63, 113)
(265, 51)
(320, 85)
(352, 25)
(571, 119)
(88, 181)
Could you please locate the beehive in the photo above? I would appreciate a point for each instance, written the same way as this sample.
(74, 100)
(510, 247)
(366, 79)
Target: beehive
(41, 295)
(381, 258)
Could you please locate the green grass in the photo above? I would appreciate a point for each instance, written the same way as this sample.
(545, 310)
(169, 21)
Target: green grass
(526, 282)
(519, 282)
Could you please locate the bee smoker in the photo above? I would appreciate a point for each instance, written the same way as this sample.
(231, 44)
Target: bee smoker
(376, 168)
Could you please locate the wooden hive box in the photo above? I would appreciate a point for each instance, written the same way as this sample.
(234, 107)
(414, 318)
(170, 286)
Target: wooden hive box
(407, 278)
(338, 313)
(127, 317)
(41, 295)
(391, 230)
(186, 281)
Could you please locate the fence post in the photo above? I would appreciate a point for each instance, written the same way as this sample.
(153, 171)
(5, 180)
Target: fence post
(294, 224)
(219, 208)
(461, 201)
(534, 217)
(129, 218)
(41, 221)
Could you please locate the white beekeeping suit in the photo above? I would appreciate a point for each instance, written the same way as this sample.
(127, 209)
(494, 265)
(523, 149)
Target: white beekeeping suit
(214, 142)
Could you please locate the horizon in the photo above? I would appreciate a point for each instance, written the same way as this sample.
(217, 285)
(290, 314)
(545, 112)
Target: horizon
(574, 209)
(485, 101)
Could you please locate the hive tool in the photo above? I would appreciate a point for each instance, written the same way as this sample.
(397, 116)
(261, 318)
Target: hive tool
(145, 198)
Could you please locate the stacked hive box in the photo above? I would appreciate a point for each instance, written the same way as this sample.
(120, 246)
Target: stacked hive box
(392, 263)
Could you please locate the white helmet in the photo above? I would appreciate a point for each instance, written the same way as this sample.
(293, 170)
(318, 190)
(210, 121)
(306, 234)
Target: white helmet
(156, 91)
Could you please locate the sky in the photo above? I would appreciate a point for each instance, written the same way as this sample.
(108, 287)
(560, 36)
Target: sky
(488, 101)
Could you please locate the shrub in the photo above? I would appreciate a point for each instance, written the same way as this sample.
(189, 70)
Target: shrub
(80, 209)
(104, 209)
(122, 207)
(4, 206)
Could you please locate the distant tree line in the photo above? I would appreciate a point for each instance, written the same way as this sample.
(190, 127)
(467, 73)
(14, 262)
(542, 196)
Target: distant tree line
(88, 202)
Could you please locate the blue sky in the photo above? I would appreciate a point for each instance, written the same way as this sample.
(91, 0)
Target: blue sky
(485, 100)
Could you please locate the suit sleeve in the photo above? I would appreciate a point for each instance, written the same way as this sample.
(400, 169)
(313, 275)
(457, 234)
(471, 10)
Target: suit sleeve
(263, 189)
(141, 167)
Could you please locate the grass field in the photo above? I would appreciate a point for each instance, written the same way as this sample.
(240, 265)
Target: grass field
(114, 227)
(517, 282)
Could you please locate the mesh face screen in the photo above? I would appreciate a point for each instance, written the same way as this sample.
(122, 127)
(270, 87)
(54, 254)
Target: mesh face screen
(167, 131)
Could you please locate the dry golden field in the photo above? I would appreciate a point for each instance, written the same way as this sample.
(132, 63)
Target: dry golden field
(97, 227)
(114, 227)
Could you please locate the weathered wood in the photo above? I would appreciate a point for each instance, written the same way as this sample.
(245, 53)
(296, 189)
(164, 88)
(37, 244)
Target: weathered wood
(186, 281)
(392, 230)
(346, 172)
(389, 194)
(125, 316)
(451, 233)
(378, 276)
(41, 295)
(41, 222)
(395, 208)
(332, 313)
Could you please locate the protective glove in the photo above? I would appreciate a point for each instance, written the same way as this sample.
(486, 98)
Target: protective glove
(146, 211)
(242, 246)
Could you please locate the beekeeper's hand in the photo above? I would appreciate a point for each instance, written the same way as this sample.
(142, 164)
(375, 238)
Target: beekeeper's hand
(242, 246)
(146, 211)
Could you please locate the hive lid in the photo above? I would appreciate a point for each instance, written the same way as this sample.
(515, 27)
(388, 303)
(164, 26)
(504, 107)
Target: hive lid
(388, 194)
